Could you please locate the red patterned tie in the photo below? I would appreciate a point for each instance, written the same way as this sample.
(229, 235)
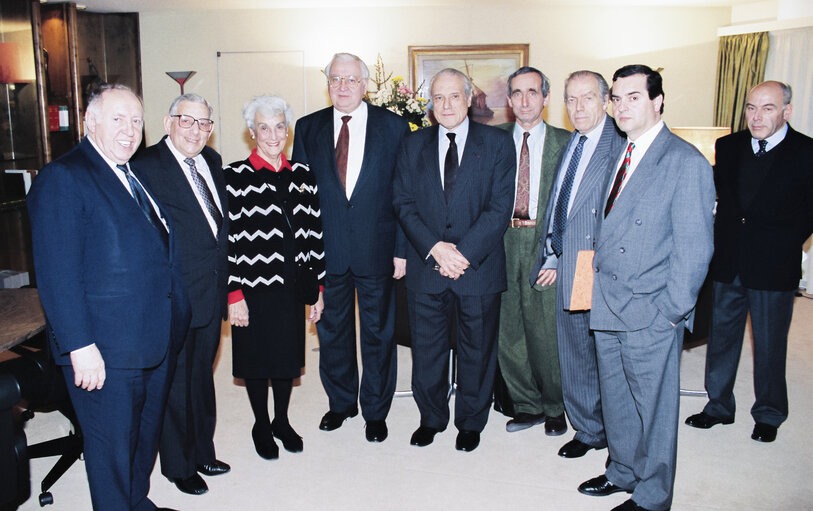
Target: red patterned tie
(619, 178)
(341, 151)
(521, 204)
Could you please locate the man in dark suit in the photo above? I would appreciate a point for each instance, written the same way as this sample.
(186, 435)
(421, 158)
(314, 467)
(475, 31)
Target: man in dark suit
(572, 214)
(653, 246)
(107, 273)
(351, 149)
(453, 195)
(187, 180)
(526, 348)
(764, 179)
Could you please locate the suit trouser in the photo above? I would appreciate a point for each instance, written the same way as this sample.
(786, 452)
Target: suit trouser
(528, 353)
(771, 313)
(579, 368)
(338, 367)
(187, 436)
(639, 374)
(431, 316)
(120, 424)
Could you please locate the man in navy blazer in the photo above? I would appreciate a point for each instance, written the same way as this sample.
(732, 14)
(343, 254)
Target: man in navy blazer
(188, 182)
(109, 281)
(454, 194)
(351, 147)
(653, 246)
(764, 179)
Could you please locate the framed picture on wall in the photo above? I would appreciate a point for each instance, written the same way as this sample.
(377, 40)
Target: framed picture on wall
(487, 65)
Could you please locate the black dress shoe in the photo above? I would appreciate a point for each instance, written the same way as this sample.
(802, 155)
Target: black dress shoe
(291, 441)
(574, 449)
(599, 487)
(467, 441)
(194, 485)
(764, 432)
(214, 468)
(333, 420)
(423, 436)
(264, 444)
(376, 431)
(629, 505)
(524, 421)
(555, 426)
(703, 420)
(165, 509)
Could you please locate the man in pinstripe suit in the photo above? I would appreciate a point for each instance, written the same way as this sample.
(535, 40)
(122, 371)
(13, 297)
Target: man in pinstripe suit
(587, 97)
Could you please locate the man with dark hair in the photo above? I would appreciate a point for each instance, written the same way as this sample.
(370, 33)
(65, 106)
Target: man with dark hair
(764, 179)
(187, 178)
(653, 245)
(453, 194)
(110, 285)
(527, 351)
(570, 223)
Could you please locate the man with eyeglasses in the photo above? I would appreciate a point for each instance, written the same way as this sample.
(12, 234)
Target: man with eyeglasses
(187, 179)
(351, 149)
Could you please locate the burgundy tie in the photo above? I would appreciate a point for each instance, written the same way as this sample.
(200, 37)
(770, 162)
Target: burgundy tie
(619, 178)
(523, 197)
(341, 151)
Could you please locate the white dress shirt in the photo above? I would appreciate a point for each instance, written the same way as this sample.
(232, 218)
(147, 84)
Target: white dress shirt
(206, 174)
(357, 130)
(641, 145)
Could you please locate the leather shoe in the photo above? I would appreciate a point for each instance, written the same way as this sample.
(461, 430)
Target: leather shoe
(467, 441)
(575, 449)
(629, 505)
(599, 487)
(291, 441)
(764, 432)
(264, 444)
(524, 421)
(214, 468)
(165, 509)
(333, 420)
(376, 431)
(703, 420)
(423, 436)
(555, 426)
(194, 485)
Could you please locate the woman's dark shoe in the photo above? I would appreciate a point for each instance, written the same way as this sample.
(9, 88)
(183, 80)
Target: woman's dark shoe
(264, 442)
(290, 440)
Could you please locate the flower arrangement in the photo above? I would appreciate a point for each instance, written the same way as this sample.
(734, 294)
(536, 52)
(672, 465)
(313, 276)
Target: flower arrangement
(393, 94)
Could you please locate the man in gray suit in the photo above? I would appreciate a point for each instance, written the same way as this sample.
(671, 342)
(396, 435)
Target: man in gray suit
(654, 242)
(570, 220)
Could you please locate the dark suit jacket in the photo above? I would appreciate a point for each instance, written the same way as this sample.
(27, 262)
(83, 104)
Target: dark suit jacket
(202, 257)
(104, 275)
(653, 249)
(475, 218)
(360, 234)
(762, 242)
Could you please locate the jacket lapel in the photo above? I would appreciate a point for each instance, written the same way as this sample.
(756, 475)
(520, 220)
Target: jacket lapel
(372, 139)
(596, 170)
(431, 163)
(327, 152)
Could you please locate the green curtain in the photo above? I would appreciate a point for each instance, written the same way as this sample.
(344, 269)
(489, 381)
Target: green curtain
(740, 66)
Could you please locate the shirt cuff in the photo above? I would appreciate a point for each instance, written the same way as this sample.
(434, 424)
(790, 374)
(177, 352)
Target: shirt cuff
(236, 296)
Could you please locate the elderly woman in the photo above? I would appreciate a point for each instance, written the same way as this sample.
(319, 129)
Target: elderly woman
(276, 257)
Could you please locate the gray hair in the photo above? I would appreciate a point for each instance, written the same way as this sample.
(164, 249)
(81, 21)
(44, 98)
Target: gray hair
(95, 98)
(192, 98)
(603, 88)
(450, 71)
(528, 69)
(348, 57)
(268, 106)
(787, 93)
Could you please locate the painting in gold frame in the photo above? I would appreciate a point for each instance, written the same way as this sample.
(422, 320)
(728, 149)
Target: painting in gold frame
(488, 66)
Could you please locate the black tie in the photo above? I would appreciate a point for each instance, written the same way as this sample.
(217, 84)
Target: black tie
(560, 211)
(450, 168)
(144, 203)
(762, 145)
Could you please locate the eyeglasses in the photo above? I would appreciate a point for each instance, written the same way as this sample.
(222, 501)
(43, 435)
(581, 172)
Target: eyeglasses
(187, 121)
(336, 81)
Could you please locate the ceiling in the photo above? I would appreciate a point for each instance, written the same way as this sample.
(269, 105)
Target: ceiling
(181, 5)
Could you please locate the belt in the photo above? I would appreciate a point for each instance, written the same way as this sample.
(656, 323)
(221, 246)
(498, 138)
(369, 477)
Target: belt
(522, 222)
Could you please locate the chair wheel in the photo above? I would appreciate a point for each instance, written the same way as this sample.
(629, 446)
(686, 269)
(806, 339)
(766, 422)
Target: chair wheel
(46, 498)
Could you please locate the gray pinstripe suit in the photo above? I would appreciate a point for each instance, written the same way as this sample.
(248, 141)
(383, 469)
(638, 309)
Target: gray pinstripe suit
(577, 348)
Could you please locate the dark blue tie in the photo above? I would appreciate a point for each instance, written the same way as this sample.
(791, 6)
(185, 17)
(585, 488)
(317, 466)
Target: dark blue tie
(763, 144)
(144, 203)
(560, 213)
(450, 166)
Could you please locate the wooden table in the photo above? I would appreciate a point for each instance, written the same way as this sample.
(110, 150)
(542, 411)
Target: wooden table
(21, 316)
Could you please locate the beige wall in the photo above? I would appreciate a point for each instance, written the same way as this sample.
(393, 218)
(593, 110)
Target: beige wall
(681, 40)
